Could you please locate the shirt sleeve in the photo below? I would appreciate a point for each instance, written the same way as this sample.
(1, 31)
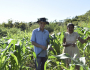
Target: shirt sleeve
(33, 36)
(64, 35)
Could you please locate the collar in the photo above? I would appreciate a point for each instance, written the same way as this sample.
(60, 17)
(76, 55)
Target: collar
(40, 30)
(71, 33)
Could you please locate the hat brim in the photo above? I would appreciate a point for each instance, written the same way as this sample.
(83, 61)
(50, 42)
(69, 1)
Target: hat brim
(42, 21)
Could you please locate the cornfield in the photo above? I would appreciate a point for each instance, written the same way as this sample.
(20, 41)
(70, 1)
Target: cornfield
(18, 54)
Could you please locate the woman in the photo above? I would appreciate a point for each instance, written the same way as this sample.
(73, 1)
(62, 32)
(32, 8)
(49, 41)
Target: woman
(69, 43)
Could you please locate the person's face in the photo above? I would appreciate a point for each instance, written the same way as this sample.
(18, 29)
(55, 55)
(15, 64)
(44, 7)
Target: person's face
(70, 29)
(42, 25)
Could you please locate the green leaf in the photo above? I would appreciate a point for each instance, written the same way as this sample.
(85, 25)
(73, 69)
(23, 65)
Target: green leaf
(15, 58)
(34, 54)
(63, 56)
(51, 57)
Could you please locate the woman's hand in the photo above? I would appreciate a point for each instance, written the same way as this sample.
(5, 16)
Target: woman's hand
(73, 44)
(83, 41)
(70, 44)
(88, 38)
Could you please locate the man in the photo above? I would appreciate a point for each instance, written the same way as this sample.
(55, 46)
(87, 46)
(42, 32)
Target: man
(40, 40)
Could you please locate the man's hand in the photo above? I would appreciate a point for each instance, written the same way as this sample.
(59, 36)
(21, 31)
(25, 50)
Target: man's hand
(43, 47)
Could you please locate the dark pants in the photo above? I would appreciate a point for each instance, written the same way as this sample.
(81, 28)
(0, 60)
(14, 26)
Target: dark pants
(39, 63)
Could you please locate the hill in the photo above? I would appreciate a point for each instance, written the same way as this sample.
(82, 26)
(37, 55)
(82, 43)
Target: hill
(82, 18)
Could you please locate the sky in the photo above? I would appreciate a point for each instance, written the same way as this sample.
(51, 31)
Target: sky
(31, 10)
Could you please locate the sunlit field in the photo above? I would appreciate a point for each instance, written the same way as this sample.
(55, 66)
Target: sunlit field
(17, 52)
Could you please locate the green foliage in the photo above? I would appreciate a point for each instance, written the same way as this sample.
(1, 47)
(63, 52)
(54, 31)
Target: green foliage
(56, 41)
(14, 53)
(10, 23)
(3, 33)
(22, 26)
(50, 27)
(14, 31)
(17, 52)
(78, 19)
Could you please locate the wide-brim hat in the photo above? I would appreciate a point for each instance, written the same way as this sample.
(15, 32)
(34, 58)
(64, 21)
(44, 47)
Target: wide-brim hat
(43, 20)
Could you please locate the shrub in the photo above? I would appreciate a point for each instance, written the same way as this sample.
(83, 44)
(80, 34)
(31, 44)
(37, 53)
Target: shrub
(14, 30)
(3, 33)
(50, 29)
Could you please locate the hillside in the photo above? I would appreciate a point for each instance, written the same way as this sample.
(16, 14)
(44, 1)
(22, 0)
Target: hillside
(81, 18)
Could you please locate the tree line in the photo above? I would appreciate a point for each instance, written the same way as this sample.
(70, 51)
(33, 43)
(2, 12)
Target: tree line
(23, 26)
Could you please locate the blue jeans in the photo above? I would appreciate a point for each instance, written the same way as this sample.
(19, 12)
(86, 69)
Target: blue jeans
(39, 63)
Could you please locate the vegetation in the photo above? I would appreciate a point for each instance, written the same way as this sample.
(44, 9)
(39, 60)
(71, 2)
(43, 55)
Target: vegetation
(16, 50)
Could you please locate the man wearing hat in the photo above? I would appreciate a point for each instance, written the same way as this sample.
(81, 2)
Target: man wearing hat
(40, 40)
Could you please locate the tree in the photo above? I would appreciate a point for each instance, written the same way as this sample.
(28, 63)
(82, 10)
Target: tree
(10, 23)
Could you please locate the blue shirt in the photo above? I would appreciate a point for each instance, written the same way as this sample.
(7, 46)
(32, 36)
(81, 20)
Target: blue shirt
(41, 38)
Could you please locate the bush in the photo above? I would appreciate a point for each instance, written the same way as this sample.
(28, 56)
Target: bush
(14, 30)
(3, 33)
(50, 29)
(34, 26)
